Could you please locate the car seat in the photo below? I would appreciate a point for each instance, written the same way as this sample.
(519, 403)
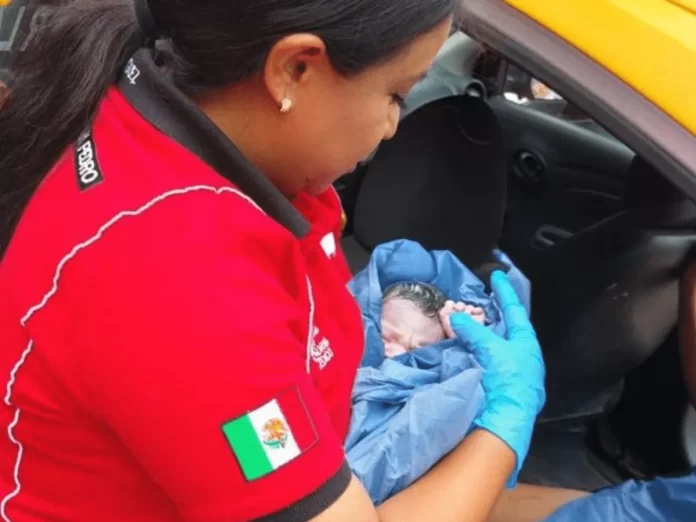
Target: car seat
(605, 299)
(441, 182)
(689, 434)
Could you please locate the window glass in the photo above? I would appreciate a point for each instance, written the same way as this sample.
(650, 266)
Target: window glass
(523, 89)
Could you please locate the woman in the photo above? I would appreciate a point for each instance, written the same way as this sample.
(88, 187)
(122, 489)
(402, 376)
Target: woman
(177, 338)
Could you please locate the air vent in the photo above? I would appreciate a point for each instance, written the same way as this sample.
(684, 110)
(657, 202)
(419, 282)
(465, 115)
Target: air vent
(476, 89)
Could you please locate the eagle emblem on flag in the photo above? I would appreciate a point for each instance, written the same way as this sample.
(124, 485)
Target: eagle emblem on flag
(275, 434)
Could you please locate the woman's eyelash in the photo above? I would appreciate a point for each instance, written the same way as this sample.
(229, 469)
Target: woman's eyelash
(399, 100)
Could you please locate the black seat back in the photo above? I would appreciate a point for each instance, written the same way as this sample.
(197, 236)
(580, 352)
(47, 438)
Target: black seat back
(606, 299)
(441, 181)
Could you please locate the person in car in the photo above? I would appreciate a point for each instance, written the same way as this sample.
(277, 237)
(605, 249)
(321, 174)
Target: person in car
(416, 314)
(178, 342)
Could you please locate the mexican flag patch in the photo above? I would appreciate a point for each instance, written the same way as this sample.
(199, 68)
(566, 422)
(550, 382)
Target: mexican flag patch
(272, 435)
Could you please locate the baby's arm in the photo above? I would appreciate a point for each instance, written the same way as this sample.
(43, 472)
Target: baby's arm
(451, 307)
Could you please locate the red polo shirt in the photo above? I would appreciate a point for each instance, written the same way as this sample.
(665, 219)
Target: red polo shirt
(170, 351)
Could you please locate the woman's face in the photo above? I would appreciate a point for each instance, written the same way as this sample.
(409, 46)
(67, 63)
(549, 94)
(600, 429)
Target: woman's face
(336, 122)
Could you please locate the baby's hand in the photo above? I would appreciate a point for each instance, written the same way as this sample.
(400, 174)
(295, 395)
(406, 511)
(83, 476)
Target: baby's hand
(451, 307)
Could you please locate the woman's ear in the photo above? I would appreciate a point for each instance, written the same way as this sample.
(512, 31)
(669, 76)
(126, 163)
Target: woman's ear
(291, 63)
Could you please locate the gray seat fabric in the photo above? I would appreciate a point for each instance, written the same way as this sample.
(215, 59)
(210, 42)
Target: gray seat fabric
(358, 256)
(597, 293)
(689, 434)
(562, 459)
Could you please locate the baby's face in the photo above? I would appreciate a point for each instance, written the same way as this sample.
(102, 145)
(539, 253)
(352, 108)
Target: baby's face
(405, 328)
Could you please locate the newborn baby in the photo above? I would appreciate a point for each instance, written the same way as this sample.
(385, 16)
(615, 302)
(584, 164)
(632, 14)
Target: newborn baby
(416, 315)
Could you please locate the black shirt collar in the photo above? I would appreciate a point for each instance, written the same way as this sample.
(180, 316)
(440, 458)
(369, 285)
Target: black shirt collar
(157, 100)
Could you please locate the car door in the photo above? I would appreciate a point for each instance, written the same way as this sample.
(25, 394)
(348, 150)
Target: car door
(565, 171)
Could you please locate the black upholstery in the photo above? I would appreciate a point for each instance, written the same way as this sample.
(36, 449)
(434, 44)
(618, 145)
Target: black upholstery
(646, 187)
(357, 255)
(606, 299)
(441, 181)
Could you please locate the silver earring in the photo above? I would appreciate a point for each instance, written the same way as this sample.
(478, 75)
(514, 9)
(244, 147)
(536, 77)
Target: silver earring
(285, 105)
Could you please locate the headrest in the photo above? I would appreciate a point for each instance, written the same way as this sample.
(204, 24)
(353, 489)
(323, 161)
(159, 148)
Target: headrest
(441, 182)
(647, 186)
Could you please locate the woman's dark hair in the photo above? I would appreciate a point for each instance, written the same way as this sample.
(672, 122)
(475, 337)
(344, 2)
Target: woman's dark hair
(79, 47)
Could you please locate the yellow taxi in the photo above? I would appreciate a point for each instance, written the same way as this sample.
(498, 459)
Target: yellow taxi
(630, 56)
(648, 44)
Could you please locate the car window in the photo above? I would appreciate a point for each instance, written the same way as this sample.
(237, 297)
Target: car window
(19, 23)
(10, 20)
(522, 88)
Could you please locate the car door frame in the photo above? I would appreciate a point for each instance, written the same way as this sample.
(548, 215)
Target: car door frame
(623, 111)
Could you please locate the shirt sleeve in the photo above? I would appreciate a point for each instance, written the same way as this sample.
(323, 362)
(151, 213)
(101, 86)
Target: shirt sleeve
(194, 354)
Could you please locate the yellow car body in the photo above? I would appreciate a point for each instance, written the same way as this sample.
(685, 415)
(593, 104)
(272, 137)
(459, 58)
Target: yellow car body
(630, 65)
(649, 44)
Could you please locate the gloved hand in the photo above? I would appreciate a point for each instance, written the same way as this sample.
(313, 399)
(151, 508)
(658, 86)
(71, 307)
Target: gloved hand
(513, 378)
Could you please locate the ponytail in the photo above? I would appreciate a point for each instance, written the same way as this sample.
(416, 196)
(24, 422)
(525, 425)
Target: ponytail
(59, 77)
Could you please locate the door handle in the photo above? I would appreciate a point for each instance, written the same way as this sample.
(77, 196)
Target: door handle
(529, 167)
(547, 236)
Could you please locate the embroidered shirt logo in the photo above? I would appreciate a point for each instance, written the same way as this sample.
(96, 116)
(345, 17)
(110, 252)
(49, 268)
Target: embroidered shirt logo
(320, 351)
(275, 434)
(132, 72)
(86, 164)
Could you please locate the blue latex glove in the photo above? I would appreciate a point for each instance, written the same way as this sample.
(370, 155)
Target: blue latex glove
(513, 378)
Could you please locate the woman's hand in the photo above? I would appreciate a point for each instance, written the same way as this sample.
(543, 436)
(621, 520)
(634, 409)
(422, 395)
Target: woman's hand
(513, 370)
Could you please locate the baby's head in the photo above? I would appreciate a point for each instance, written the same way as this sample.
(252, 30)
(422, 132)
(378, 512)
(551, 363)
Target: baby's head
(410, 317)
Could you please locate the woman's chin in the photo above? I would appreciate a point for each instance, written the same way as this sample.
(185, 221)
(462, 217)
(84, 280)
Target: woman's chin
(315, 187)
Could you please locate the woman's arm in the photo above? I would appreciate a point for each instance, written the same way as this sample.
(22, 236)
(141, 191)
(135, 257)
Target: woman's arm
(463, 487)
(458, 490)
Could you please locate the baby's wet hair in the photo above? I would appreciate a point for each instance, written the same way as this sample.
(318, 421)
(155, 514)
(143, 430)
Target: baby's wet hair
(427, 298)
